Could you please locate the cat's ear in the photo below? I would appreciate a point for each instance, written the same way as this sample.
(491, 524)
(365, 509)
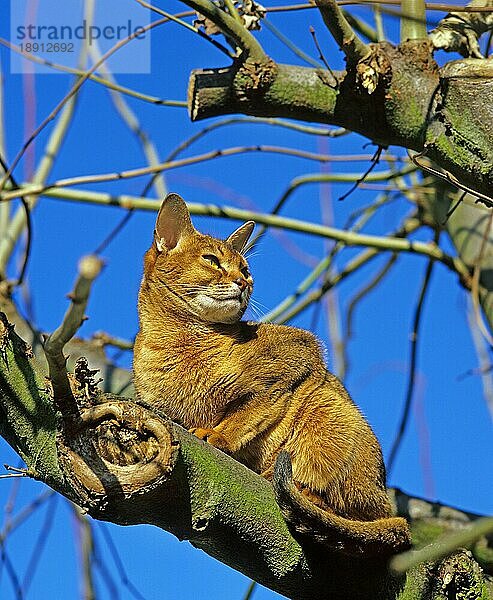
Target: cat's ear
(172, 223)
(239, 238)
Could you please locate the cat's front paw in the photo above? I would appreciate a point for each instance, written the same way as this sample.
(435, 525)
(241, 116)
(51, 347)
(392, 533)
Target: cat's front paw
(213, 437)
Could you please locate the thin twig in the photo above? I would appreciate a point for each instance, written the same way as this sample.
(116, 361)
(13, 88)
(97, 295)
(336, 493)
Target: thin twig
(310, 130)
(86, 553)
(289, 44)
(326, 178)
(96, 78)
(206, 156)
(347, 237)
(26, 511)
(449, 178)
(283, 312)
(51, 150)
(119, 563)
(106, 575)
(373, 163)
(482, 350)
(179, 21)
(131, 119)
(27, 215)
(40, 543)
(321, 55)
(75, 88)
(105, 339)
(89, 269)
(9, 567)
(4, 206)
(454, 207)
(250, 589)
(412, 367)
(429, 6)
(361, 27)
(444, 546)
(364, 291)
(476, 283)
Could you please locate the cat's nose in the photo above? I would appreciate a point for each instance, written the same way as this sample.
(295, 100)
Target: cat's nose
(241, 283)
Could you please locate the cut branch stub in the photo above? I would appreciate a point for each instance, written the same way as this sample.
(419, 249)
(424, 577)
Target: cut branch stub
(118, 450)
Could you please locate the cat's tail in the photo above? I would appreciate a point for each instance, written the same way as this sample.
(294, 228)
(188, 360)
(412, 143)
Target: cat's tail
(381, 537)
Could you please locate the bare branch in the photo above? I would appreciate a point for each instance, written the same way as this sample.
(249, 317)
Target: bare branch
(341, 31)
(72, 92)
(232, 28)
(412, 367)
(37, 189)
(443, 546)
(192, 28)
(86, 553)
(413, 20)
(89, 269)
(96, 78)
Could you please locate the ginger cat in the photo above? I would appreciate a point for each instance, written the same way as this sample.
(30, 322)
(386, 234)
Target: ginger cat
(259, 392)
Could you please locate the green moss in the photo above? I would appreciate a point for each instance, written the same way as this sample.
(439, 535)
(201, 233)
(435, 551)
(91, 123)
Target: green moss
(29, 420)
(417, 584)
(452, 152)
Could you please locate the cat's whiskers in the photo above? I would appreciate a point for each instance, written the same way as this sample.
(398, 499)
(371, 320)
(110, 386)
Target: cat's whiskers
(250, 254)
(258, 309)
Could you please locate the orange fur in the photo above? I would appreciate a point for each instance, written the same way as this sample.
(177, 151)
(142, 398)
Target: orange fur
(252, 389)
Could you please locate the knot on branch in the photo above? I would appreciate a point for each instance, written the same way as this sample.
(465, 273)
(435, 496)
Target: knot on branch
(459, 576)
(116, 451)
(419, 54)
(253, 79)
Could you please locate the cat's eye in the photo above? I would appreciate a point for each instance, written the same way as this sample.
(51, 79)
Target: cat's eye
(245, 272)
(213, 260)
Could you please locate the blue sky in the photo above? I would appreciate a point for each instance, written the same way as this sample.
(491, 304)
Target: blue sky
(449, 436)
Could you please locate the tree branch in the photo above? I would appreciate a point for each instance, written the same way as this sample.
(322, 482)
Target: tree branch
(342, 32)
(89, 269)
(252, 50)
(413, 20)
(460, 31)
(444, 545)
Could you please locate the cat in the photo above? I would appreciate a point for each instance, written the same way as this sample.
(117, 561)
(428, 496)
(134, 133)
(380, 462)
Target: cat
(260, 392)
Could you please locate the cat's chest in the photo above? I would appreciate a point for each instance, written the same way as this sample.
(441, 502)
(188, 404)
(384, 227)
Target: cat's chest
(196, 381)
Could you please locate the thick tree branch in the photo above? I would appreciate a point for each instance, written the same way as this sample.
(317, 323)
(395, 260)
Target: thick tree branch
(445, 114)
(415, 105)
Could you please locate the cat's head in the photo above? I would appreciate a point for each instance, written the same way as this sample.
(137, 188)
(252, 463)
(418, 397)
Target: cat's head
(203, 275)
